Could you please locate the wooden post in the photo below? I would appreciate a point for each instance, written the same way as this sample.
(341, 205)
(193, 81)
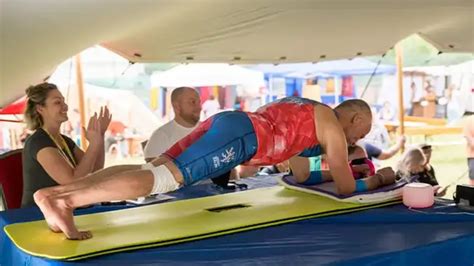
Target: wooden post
(80, 94)
(401, 108)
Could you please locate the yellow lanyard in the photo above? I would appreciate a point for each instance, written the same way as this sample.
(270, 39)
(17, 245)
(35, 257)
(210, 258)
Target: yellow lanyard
(70, 160)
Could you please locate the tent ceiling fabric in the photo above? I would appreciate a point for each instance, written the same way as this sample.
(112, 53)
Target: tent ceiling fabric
(38, 35)
(199, 75)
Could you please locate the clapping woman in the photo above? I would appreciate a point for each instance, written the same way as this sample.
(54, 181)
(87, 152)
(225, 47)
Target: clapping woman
(50, 158)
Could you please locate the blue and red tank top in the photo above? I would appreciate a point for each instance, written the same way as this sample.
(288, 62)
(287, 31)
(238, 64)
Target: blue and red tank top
(283, 128)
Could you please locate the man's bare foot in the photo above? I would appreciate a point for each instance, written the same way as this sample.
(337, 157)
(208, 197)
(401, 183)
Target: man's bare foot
(60, 215)
(54, 228)
(38, 196)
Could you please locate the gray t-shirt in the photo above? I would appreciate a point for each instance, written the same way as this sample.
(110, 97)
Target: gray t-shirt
(34, 176)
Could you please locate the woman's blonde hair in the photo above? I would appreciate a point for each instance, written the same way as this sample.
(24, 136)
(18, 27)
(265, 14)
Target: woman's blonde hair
(36, 96)
(413, 156)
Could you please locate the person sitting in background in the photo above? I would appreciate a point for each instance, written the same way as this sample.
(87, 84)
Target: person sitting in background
(374, 152)
(413, 168)
(428, 176)
(49, 158)
(187, 109)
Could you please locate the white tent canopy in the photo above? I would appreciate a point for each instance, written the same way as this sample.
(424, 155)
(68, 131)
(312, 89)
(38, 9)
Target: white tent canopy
(466, 68)
(462, 78)
(198, 75)
(123, 105)
(38, 35)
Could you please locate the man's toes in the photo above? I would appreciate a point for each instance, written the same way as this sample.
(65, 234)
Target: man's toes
(83, 235)
(86, 235)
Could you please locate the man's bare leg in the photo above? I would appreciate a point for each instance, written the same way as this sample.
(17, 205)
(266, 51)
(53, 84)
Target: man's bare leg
(109, 171)
(87, 180)
(58, 208)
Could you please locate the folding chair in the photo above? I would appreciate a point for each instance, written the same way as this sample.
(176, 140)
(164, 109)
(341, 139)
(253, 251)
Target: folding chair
(11, 178)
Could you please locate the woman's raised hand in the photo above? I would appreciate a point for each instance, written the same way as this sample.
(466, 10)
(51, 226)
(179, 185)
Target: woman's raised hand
(93, 131)
(104, 119)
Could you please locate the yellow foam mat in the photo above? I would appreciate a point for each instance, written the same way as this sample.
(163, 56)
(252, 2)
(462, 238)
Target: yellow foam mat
(179, 221)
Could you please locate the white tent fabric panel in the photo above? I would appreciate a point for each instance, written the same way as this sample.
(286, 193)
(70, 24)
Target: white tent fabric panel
(38, 35)
(198, 75)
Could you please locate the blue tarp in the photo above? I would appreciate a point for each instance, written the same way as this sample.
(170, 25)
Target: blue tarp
(386, 236)
(356, 66)
(296, 74)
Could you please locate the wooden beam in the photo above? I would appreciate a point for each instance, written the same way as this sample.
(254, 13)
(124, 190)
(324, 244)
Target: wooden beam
(431, 131)
(80, 94)
(401, 108)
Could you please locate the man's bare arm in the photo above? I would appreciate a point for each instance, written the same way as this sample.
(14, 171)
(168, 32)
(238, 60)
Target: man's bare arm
(333, 141)
(301, 170)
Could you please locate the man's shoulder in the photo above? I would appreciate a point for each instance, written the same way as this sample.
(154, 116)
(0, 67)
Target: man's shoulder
(325, 113)
(327, 125)
(164, 128)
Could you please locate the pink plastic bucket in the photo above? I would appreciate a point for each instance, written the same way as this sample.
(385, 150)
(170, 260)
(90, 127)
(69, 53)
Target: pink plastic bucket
(418, 195)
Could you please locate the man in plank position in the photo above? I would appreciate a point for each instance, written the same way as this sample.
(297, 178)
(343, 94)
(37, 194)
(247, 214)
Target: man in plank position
(290, 128)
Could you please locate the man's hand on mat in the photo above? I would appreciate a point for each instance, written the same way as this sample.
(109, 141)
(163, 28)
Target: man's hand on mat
(387, 176)
(382, 177)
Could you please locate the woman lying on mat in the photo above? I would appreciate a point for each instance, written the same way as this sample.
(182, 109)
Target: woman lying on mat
(309, 171)
(291, 127)
(361, 166)
(49, 158)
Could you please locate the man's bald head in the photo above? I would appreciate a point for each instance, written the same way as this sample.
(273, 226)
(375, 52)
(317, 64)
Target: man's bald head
(186, 105)
(178, 92)
(355, 105)
(355, 118)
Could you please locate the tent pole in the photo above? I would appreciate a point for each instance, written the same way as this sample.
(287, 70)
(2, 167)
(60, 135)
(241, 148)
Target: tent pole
(401, 109)
(80, 94)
